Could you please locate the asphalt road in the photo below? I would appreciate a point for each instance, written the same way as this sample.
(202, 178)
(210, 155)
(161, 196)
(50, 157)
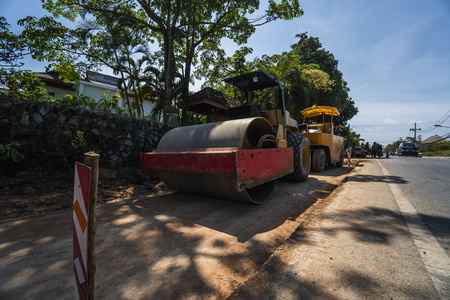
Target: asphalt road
(426, 183)
(369, 242)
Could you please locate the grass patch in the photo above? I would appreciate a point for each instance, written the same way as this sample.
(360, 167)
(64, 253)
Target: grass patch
(445, 153)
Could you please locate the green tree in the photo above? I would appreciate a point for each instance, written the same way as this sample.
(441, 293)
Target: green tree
(16, 83)
(310, 50)
(216, 66)
(309, 74)
(11, 48)
(182, 28)
(299, 80)
(22, 84)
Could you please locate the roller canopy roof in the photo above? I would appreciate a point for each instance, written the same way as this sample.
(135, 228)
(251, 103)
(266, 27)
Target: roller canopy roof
(319, 110)
(256, 80)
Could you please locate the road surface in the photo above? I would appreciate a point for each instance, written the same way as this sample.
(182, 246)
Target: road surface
(316, 240)
(368, 243)
(426, 182)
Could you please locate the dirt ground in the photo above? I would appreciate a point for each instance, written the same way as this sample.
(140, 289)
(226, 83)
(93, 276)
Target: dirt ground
(32, 194)
(150, 242)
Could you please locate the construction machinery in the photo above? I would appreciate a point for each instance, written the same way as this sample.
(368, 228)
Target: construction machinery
(358, 148)
(326, 147)
(238, 159)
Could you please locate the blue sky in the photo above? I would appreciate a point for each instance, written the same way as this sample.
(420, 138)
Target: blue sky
(394, 55)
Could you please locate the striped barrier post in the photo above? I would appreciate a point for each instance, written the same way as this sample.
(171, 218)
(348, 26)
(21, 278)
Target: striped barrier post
(80, 229)
(349, 157)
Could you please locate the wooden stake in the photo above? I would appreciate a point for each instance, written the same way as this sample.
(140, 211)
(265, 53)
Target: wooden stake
(91, 159)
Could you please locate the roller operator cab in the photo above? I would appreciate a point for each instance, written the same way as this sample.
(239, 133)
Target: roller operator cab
(239, 159)
(326, 147)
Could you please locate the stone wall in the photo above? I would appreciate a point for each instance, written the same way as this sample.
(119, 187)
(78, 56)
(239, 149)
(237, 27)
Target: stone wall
(118, 139)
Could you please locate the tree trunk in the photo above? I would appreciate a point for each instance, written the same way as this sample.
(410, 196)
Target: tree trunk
(169, 71)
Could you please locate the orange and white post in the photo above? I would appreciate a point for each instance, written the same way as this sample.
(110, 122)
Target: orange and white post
(349, 157)
(82, 183)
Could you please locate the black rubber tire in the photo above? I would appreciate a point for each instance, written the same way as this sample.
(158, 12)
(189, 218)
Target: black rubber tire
(302, 157)
(340, 163)
(318, 160)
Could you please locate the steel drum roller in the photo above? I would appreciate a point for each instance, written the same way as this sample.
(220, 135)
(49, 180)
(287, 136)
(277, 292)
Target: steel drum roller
(249, 133)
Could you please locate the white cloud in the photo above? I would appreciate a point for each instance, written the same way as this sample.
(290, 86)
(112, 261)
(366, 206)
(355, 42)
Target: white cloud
(390, 121)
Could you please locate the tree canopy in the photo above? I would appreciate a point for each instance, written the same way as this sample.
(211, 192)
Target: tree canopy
(309, 73)
(311, 51)
(11, 49)
(179, 30)
(158, 47)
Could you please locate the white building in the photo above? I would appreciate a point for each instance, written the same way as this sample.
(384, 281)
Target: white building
(93, 86)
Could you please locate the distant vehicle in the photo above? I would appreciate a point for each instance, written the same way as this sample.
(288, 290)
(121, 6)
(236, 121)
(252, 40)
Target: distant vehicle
(379, 152)
(358, 148)
(408, 149)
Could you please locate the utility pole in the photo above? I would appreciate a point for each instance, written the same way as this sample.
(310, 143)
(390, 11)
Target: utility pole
(415, 129)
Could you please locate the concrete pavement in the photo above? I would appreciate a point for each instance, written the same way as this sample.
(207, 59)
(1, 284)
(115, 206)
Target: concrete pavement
(359, 246)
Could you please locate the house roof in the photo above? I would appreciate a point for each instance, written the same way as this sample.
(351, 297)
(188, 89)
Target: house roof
(433, 139)
(51, 78)
(207, 99)
(102, 79)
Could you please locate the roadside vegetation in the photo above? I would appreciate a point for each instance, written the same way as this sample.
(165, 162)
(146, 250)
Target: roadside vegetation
(436, 149)
(445, 153)
(158, 49)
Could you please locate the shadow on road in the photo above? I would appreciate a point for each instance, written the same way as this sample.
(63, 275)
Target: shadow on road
(278, 279)
(377, 178)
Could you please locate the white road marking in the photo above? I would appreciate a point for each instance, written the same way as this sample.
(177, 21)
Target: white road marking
(433, 255)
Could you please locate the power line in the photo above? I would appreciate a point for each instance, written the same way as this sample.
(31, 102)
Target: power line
(447, 114)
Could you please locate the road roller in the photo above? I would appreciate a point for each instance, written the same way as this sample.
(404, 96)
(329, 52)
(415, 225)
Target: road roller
(239, 159)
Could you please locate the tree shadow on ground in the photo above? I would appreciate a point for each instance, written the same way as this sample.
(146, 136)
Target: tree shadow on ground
(170, 246)
(286, 275)
(377, 178)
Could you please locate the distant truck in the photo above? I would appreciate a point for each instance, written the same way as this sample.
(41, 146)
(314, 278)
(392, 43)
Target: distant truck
(408, 149)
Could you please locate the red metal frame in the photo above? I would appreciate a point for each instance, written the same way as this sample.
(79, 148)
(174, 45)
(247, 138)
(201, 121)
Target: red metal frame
(250, 167)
